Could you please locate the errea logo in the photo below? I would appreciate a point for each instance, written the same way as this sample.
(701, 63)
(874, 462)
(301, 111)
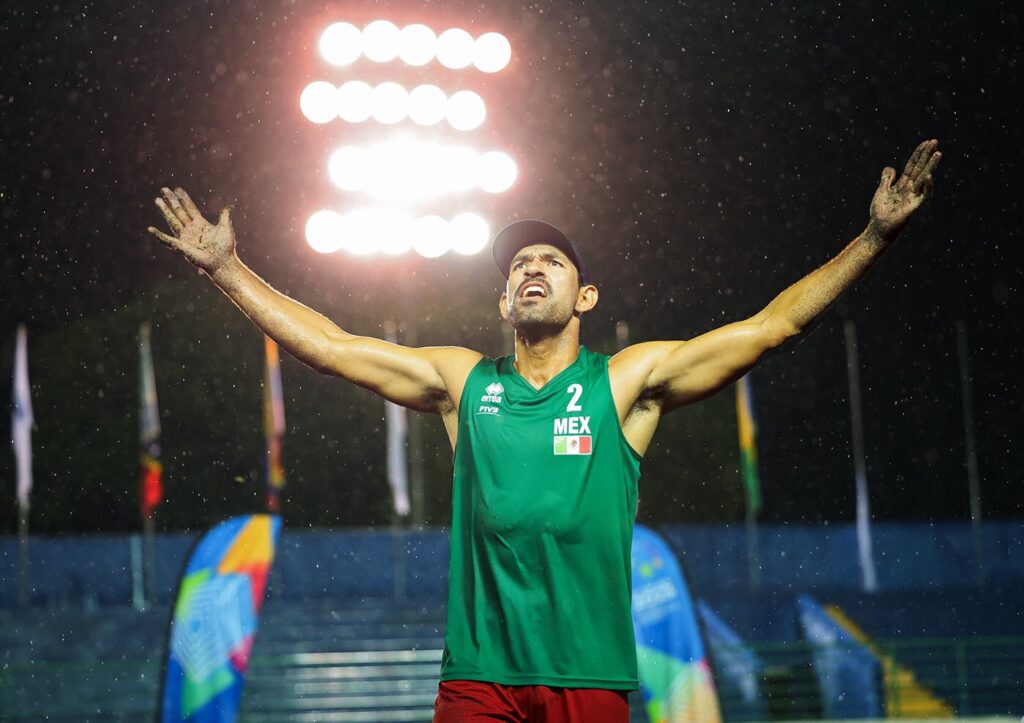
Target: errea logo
(492, 396)
(494, 392)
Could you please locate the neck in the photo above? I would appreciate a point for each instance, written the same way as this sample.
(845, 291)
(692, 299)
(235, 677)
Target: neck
(539, 360)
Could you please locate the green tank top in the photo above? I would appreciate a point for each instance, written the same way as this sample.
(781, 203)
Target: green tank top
(543, 505)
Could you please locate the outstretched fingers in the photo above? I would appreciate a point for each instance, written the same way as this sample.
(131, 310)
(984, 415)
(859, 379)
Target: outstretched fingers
(924, 154)
(172, 199)
(169, 215)
(187, 203)
(165, 239)
(915, 158)
(924, 183)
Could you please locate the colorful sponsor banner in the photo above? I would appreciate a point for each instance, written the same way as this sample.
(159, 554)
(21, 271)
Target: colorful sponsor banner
(273, 424)
(151, 488)
(219, 599)
(747, 428)
(675, 674)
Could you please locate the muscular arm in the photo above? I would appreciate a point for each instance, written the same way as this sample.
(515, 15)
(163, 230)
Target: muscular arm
(429, 380)
(653, 378)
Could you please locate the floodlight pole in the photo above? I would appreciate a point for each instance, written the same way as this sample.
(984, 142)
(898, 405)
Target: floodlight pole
(869, 579)
(970, 446)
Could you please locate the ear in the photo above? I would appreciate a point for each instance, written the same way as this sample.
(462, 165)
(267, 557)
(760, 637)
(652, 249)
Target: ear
(586, 299)
(503, 305)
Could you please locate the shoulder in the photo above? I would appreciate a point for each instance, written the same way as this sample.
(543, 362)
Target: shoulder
(454, 364)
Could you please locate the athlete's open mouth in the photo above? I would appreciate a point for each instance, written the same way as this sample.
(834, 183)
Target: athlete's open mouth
(533, 290)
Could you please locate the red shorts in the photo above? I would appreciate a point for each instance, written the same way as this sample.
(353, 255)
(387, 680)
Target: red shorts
(470, 701)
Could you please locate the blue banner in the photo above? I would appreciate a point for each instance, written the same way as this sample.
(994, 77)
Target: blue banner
(675, 675)
(849, 676)
(214, 624)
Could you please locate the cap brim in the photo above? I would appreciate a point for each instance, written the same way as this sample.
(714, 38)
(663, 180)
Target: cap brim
(520, 234)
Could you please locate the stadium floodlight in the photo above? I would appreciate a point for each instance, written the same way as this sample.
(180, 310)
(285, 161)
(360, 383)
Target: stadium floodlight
(496, 172)
(455, 48)
(319, 102)
(430, 237)
(390, 103)
(341, 44)
(324, 232)
(407, 169)
(417, 44)
(367, 231)
(491, 52)
(469, 234)
(458, 174)
(400, 172)
(348, 168)
(381, 40)
(466, 110)
(428, 105)
(355, 101)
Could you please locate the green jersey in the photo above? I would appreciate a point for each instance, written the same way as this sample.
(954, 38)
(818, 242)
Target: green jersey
(543, 505)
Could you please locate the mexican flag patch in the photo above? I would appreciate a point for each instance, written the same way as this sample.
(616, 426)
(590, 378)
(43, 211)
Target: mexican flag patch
(573, 444)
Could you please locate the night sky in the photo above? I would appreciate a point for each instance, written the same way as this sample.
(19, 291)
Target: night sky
(705, 155)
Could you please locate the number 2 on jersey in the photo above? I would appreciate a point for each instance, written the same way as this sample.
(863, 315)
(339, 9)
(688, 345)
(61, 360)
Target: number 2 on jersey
(576, 390)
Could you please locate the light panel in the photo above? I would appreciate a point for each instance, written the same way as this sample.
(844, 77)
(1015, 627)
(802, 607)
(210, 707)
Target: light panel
(381, 40)
(465, 110)
(319, 102)
(367, 231)
(491, 52)
(413, 170)
(455, 48)
(341, 44)
(417, 45)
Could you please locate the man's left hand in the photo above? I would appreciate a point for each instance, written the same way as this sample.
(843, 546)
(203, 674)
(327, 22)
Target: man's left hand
(895, 202)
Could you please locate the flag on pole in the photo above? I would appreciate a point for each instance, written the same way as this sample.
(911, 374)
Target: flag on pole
(22, 420)
(151, 489)
(214, 623)
(747, 427)
(397, 425)
(273, 424)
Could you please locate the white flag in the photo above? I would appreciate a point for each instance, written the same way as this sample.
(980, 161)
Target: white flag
(22, 420)
(397, 426)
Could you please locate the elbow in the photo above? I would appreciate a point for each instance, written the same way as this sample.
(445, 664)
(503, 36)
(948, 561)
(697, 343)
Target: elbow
(778, 336)
(778, 333)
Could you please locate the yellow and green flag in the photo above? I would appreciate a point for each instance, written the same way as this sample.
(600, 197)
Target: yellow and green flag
(747, 427)
(273, 425)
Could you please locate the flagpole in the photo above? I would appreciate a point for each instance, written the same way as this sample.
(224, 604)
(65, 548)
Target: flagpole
(149, 560)
(22, 557)
(869, 580)
(970, 445)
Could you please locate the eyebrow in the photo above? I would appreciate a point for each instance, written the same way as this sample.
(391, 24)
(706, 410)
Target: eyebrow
(545, 256)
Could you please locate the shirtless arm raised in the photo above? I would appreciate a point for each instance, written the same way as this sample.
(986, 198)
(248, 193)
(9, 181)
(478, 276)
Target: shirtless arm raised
(427, 379)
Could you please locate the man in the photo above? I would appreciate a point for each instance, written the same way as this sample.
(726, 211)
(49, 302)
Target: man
(547, 446)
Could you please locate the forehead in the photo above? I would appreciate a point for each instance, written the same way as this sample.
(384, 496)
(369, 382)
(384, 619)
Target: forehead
(543, 251)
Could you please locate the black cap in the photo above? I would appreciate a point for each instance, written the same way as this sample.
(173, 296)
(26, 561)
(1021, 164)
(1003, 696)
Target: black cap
(520, 234)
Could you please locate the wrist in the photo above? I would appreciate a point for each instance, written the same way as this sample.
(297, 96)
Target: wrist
(877, 234)
(225, 272)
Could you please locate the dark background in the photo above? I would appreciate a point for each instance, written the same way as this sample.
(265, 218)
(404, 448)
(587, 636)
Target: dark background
(704, 154)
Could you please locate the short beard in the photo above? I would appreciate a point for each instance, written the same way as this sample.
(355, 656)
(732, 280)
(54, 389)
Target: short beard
(537, 324)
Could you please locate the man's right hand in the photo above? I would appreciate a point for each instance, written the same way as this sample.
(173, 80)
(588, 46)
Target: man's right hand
(207, 246)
